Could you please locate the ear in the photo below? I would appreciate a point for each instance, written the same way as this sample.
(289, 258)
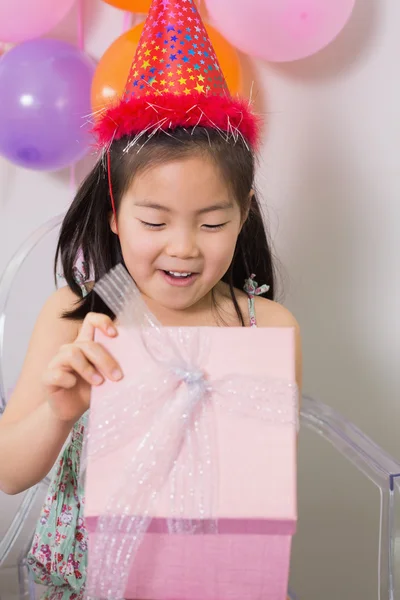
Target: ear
(246, 214)
(113, 223)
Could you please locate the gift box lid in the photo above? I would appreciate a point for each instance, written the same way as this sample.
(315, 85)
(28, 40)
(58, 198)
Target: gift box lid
(255, 457)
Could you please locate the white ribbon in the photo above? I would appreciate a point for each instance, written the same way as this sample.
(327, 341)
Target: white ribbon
(164, 418)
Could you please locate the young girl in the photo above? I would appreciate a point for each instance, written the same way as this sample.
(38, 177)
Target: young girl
(173, 199)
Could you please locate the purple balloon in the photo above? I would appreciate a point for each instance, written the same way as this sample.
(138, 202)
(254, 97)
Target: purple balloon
(44, 104)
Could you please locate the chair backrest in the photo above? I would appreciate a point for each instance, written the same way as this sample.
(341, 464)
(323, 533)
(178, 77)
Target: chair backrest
(342, 470)
(348, 537)
(24, 286)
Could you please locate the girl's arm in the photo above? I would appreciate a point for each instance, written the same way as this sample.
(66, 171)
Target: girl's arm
(63, 363)
(31, 435)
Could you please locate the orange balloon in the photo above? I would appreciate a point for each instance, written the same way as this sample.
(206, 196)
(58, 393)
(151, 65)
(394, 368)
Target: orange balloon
(135, 6)
(113, 69)
(227, 58)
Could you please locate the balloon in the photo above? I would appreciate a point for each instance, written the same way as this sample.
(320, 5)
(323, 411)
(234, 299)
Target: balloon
(135, 6)
(228, 59)
(113, 69)
(22, 20)
(280, 30)
(45, 103)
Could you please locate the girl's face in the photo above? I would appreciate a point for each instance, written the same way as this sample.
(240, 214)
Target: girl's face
(178, 225)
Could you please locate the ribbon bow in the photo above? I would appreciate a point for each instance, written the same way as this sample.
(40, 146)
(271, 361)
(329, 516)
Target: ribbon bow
(166, 411)
(252, 288)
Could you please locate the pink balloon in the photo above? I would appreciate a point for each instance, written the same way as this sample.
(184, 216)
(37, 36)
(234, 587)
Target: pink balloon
(22, 20)
(280, 30)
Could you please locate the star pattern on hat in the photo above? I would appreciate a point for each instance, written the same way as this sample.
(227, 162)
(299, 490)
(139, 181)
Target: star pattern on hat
(176, 81)
(174, 54)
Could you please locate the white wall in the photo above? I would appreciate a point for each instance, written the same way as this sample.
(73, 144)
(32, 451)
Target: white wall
(330, 178)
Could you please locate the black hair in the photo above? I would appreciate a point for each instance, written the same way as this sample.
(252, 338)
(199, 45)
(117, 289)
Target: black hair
(86, 225)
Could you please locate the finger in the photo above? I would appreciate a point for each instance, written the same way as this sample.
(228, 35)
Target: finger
(73, 357)
(101, 359)
(95, 321)
(56, 379)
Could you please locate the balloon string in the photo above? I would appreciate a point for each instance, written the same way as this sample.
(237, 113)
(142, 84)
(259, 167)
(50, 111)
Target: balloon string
(72, 179)
(81, 46)
(80, 26)
(127, 22)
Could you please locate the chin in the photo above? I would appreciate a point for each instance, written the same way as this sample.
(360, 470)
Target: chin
(176, 308)
(174, 299)
(178, 305)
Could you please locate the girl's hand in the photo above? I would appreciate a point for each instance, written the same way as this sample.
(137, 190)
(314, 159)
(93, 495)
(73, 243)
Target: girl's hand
(78, 366)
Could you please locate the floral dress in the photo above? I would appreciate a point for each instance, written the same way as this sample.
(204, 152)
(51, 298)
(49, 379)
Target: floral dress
(58, 555)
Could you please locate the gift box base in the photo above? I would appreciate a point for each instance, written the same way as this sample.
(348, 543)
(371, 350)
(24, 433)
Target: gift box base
(251, 488)
(210, 567)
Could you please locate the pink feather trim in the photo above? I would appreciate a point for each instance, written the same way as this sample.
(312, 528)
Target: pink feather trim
(168, 112)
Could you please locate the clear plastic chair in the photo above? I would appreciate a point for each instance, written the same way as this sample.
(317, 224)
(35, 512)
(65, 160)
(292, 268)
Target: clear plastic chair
(26, 281)
(353, 455)
(357, 464)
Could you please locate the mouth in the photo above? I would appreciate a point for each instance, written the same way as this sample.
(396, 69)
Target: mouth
(179, 278)
(179, 274)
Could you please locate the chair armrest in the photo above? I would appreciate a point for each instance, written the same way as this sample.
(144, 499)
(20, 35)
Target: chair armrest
(15, 528)
(380, 468)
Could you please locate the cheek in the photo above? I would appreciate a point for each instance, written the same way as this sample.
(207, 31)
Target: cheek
(139, 245)
(220, 248)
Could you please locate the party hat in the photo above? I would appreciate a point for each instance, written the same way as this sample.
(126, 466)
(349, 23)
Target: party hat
(176, 81)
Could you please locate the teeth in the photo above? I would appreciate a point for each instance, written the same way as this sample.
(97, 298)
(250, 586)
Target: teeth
(174, 274)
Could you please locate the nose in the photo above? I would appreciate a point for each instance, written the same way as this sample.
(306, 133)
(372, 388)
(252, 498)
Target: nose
(182, 244)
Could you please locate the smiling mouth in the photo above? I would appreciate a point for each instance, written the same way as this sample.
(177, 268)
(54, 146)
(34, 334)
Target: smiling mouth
(179, 274)
(179, 278)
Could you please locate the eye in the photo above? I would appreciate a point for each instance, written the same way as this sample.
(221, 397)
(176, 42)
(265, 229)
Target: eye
(215, 227)
(152, 225)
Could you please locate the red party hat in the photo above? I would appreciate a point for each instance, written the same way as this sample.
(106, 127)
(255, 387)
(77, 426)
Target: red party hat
(176, 81)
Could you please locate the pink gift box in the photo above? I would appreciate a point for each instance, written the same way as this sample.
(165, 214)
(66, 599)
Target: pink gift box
(255, 492)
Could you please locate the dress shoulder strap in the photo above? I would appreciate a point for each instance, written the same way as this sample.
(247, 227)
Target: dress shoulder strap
(81, 278)
(252, 290)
